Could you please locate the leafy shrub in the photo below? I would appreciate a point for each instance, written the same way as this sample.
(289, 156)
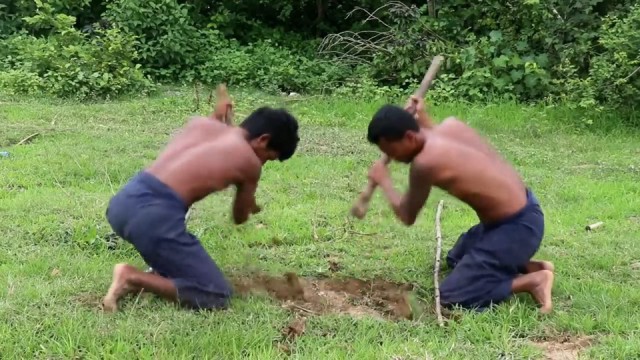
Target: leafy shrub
(68, 63)
(270, 67)
(168, 41)
(615, 72)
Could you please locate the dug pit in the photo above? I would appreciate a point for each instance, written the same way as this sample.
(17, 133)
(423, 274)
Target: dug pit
(358, 298)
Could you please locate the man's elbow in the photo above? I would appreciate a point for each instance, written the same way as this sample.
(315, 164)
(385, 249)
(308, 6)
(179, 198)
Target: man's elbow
(408, 222)
(407, 219)
(240, 218)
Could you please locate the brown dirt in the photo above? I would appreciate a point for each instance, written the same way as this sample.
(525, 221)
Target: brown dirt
(564, 348)
(90, 300)
(358, 298)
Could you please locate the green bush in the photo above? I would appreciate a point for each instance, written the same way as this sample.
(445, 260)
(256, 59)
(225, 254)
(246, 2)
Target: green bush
(269, 67)
(168, 41)
(580, 51)
(69, 63)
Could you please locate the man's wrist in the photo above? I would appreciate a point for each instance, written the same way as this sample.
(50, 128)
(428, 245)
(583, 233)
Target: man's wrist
(385, 184)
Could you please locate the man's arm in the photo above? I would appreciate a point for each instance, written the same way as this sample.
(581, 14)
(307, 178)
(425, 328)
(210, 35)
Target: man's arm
(408, 207)
(244, 203)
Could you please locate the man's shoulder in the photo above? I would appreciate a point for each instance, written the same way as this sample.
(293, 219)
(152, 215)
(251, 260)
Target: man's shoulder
(424, 163)
(244, 156)
(451, 127)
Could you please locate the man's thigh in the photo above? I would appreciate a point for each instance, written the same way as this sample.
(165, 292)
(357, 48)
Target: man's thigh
(465, 242)
(198, 279)
(476, 282)
(161, 238)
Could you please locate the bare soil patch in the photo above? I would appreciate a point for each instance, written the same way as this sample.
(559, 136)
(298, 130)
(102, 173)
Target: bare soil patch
(564, 348)
(355, 297)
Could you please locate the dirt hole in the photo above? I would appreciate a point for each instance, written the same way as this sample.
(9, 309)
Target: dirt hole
(377, 298)
(564, 348)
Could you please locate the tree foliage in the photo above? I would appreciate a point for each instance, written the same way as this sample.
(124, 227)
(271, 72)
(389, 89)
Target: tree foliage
(585, 52)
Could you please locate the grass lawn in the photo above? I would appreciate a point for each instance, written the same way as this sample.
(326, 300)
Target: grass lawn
(55, 264)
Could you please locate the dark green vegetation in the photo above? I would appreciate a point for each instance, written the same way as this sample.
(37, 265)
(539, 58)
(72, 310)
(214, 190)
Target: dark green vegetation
(581, 52)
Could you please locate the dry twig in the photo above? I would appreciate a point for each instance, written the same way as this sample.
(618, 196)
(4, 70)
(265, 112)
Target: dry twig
(360, 47)
(23, 141)
(437, 265)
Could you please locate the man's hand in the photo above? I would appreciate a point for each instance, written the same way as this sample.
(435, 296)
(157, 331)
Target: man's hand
(379, 173)
(415, 105)
(256, 209)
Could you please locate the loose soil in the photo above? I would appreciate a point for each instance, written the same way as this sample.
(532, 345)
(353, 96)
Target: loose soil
(564, 348)
(376, 298)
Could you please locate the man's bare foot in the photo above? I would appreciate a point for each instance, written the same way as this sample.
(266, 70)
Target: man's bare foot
(542, 290)
(118, 288)
(537, 265)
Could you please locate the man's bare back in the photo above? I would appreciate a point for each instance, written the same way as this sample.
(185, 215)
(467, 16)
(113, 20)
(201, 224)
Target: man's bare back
(207, 156)
(457, 160)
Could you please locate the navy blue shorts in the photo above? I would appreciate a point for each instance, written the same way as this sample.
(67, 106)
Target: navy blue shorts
(151, 216)
(487, 258)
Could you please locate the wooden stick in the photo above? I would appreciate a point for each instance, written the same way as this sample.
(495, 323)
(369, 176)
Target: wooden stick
(594, 226)
(27, 138)
(227, 116)
(186, 217)
(436, 269)
(197, 95)
(361, 205)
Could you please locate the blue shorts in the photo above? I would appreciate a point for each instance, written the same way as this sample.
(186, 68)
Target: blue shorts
(487, 258)
(151, 216)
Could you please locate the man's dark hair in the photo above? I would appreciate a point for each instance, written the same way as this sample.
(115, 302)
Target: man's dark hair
(278, 123)
(390, 122)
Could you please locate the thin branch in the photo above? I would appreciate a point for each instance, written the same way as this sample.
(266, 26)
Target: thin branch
(23, 141)
(437, 265)
(633, 73)
(197, 96)
(186, 217)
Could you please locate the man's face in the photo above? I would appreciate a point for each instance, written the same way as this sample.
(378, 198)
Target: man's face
(261, 149)
(402, 150)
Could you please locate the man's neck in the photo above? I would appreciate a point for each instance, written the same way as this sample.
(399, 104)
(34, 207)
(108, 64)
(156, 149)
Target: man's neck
(423, 137)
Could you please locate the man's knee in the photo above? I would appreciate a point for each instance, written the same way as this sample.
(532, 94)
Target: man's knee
(471, 285)
(212, 294)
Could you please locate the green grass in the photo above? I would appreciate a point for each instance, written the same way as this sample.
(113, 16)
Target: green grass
(55, 265)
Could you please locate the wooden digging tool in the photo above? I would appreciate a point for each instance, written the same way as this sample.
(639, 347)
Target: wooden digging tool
(224, 114)
(361, 205)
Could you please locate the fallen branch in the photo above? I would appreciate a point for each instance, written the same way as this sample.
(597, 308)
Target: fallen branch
(436, 269)
(23, 141)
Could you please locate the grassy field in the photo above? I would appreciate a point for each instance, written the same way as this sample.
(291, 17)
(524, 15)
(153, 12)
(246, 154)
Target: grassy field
(55, 264)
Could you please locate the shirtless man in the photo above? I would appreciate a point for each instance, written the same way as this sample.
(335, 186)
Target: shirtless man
(492, 260)
(149, 212)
